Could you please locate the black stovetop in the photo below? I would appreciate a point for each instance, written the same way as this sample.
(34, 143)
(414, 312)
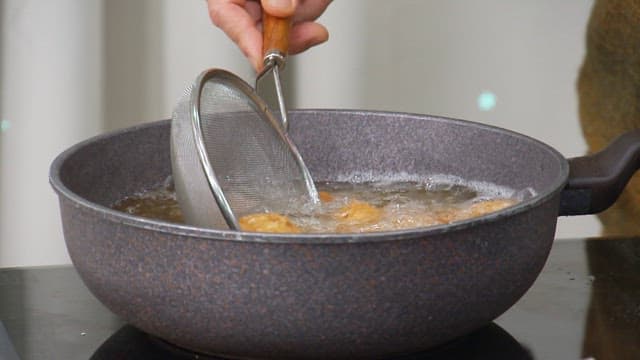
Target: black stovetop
(585, 304)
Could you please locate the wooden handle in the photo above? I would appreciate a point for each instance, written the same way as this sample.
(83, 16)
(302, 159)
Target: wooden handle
(275, 34)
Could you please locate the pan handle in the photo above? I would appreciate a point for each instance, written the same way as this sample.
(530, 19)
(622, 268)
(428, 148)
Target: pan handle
(596, 181)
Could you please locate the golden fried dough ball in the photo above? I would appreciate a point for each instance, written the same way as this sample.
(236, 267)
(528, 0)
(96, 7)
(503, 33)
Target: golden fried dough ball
(325, 196)
(268, 222)
(358, 212)
(355, 215)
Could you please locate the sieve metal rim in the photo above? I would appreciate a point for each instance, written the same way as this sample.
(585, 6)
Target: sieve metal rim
(231, 80)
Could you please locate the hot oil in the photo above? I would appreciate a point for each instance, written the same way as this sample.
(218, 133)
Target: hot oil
(159, 203)
(362, 206)
(400, 203)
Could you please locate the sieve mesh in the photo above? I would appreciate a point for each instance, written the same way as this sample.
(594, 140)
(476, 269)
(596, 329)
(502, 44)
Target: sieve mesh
(253, 165)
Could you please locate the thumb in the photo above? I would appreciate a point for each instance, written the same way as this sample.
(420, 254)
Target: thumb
(280, 8)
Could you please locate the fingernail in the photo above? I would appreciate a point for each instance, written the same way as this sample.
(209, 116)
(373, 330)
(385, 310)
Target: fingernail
(281, 4)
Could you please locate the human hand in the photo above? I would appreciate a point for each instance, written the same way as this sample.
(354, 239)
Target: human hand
(241, 21)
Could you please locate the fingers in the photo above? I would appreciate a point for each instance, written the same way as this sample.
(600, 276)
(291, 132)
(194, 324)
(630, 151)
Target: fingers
(255, 10)
(240, 20)
(310, 10)
(306, 35)
(237, 19)
(280, 8)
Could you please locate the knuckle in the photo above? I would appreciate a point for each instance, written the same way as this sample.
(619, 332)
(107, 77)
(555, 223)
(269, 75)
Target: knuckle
(215, 14)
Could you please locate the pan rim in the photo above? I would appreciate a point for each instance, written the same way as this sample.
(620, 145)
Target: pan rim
(118, 217)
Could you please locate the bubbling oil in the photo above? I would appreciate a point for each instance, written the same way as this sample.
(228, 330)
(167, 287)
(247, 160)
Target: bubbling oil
(158, 203)
(360, 203)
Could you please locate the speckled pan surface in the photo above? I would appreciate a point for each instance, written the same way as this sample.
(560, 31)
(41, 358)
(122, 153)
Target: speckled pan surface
(378, 295)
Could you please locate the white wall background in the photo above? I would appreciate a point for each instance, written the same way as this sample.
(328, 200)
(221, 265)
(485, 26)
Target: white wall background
(70, 69)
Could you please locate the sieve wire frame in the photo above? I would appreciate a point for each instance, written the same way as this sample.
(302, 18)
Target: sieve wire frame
(234, 82)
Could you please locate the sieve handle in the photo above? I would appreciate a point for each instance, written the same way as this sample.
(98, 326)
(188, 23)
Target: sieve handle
(275, 37)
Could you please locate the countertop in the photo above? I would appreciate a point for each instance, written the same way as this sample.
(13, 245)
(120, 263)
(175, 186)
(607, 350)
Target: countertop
(585, 304)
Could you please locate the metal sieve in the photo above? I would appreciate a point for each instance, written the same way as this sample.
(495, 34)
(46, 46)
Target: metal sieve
(230, 156)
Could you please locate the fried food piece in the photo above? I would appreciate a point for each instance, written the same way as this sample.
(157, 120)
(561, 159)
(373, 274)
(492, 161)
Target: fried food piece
(325, 196)
(355, 215)
(269, 223)
(358, 212)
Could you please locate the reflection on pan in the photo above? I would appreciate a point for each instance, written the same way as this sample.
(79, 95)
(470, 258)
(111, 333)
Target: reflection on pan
(490, 342)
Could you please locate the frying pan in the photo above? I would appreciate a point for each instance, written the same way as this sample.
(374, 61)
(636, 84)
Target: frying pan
(377, 295)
